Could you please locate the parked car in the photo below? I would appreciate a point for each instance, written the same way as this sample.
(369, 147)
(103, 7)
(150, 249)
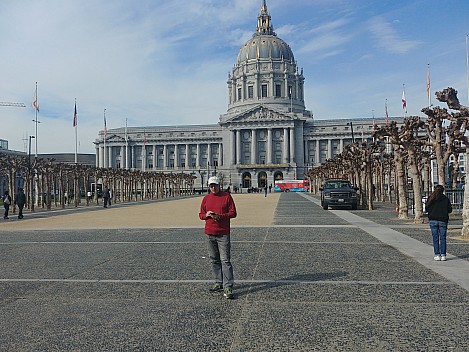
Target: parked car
(338, 193)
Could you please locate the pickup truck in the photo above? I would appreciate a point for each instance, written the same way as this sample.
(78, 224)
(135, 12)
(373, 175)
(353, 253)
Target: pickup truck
(338, 193)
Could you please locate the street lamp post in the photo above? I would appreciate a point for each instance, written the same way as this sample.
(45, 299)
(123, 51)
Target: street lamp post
(36, 121)
(351, 128)
(31, 183)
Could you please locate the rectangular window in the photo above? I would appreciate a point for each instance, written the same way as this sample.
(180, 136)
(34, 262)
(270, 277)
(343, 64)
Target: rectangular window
(264, 90)
(239, 93)
(278, 90)
(250, 92)
(278, 157)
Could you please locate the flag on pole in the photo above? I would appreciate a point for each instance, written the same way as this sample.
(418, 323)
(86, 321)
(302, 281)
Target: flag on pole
(35, 103)
(428, 85)
(404, 102)
(105, 127)
(144, 138)
(75, 116)
(386, 110)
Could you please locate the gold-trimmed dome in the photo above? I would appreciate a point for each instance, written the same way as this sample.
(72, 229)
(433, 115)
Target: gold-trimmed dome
(264, 44)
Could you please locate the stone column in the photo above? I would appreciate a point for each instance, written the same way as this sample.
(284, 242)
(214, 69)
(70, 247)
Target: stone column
(341, 145)
(188, 160)
(220, 154)
(109, 159)
(176, 156)
(238, 147)
(209, 154)
(165, 157)
(97, 156)
(232, 147)
(317, 154)
(269, 145)
(154, 157)
(253, 146)
(292, 145)
(123, 157)
(329, 148)
(285, 146)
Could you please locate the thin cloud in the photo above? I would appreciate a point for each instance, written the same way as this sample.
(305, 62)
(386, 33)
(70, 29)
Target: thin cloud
(387, 38)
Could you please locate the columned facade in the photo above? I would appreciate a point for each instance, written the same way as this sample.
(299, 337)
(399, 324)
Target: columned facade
(265, 134)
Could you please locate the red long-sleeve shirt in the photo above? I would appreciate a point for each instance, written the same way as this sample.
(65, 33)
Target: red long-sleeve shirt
(221, 203)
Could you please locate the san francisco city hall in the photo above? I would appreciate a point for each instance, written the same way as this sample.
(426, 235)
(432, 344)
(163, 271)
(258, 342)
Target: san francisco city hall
(266, 134)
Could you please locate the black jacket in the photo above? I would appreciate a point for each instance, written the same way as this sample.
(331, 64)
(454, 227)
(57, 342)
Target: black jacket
(20, 199)
(439, 209)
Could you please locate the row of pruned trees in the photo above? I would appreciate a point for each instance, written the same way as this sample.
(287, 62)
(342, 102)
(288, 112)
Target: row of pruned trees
(382, 168)
(48, 183)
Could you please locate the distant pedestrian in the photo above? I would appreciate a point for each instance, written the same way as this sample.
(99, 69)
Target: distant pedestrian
(265, 191)
(20, 201)
(6, 204)
(270, 188)
(106, 196)
(217, 208)
(438, 207)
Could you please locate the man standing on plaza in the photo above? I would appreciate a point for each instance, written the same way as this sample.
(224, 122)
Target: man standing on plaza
(217, 209)
(20, 201)
(106, 197)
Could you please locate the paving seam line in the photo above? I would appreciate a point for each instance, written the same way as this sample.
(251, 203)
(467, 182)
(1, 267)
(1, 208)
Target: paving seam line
(454, 269)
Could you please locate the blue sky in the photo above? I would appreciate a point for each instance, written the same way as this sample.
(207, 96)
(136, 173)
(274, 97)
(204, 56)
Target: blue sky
(156, 62)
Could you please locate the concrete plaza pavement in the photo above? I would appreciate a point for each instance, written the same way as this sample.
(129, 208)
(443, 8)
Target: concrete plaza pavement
(135, 278)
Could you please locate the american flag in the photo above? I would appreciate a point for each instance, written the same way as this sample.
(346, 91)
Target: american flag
(35, 103)
(386, 109)
(404, 102)
(75, 116)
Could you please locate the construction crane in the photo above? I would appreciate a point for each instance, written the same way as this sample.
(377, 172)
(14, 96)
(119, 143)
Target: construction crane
(17, 105)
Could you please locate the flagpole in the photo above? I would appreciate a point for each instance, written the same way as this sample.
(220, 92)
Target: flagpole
(467, 70)
(36, 108)
(75, 122)
(105, 133)
(144, 152)
(126, 147)
(386, 110)
(404, 101)
(428, 87)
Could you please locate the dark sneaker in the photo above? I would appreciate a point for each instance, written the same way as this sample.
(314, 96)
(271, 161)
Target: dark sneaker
(228, 293)
(216, 288)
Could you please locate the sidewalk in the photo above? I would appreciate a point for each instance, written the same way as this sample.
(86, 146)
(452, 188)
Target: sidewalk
(253, 210)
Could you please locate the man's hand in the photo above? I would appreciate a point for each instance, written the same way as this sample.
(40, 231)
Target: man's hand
(216, 217)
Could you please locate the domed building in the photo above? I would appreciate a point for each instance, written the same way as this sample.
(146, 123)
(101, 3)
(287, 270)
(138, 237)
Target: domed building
(266, 134)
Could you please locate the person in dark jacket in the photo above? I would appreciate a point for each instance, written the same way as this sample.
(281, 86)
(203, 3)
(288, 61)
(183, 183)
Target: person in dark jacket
(438, 207)
(106, 197)
(20, 201)
(6, 204)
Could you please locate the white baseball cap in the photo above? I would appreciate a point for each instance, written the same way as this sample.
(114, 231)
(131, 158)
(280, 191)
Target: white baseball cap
(213, 180)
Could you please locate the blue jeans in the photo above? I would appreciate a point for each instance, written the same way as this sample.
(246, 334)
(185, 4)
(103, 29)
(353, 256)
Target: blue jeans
(219, 247)
(439, 229)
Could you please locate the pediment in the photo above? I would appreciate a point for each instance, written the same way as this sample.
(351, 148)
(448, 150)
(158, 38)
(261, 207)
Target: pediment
(260, 113)
(115, 138)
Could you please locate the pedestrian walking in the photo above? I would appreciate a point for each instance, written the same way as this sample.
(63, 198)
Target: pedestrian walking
(106, 196)
(438, 207)
(265, 191)
(20, 201)
(6, 204)
(216, 209)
